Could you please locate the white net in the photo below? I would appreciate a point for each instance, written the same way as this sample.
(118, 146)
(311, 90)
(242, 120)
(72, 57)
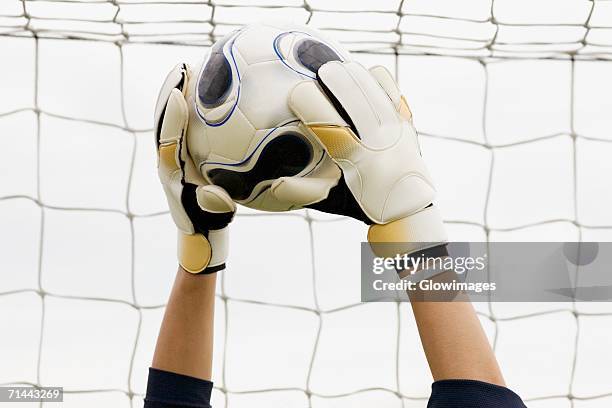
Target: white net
(512, 99)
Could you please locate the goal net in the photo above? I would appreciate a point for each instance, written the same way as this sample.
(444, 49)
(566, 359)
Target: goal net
(512, 99)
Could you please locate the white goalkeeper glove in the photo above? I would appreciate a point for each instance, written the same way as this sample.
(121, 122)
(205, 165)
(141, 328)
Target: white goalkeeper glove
(364, 123)
(201, 212)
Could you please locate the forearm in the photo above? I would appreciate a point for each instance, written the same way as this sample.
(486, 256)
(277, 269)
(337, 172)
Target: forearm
(455, 344)
(185, 341)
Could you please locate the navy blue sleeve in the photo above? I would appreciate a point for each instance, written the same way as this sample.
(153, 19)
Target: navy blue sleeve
(171, 390)
(472, 394)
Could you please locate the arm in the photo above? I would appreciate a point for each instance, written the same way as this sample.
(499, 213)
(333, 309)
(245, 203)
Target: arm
(365, 125)
(453, 339)
(185, 341)
(460, 358)
(201, 213)
(181, 368)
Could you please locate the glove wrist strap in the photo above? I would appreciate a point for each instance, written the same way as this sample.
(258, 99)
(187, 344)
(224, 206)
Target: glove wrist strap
(415, 233)
(194, 252)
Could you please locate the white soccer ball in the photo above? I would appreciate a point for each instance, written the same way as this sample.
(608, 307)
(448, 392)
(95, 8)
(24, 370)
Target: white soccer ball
(242, 134)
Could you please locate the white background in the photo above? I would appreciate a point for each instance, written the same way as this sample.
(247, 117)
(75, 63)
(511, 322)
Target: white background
(84, 229)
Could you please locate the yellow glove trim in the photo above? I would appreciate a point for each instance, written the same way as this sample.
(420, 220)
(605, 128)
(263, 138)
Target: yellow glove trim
(404, 110)
(416, 232)
(340, 142)
(167, 158)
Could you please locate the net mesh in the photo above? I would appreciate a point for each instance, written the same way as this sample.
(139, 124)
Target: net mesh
(500, 30)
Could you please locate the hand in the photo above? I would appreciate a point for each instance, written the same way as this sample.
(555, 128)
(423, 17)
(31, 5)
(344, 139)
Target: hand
(365, 125)
(201, 212)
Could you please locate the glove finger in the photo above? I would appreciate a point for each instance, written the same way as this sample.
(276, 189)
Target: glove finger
(215, 199)
(175, 79)
(312, 107)
(169, 167)
(319, 116)
(171, 136)
(206, 207)
(356, 92)
(175, 119)
(302, 191)
(388, 84)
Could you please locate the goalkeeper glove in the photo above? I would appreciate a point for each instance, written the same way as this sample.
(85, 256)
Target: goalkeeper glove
(201, 212)
(365, 125)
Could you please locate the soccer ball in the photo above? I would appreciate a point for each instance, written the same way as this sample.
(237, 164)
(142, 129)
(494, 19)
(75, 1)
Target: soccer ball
(242, 134)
